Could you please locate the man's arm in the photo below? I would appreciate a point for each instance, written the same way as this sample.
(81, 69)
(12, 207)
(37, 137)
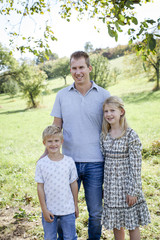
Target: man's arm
(48, 216)
(74, 189)
(58, 122)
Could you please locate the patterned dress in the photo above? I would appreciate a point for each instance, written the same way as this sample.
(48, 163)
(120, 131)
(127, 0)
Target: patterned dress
(122, 177)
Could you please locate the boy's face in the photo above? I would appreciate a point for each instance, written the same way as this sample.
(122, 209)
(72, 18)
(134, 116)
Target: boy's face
(53, 144)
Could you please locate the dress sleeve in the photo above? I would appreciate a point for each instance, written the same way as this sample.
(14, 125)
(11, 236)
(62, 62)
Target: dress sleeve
(102, 144)
(135, 162)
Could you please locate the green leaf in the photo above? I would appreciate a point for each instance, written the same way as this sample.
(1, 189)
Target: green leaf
(134, 20)
(152, 44)
(111, 32)
(118, 27)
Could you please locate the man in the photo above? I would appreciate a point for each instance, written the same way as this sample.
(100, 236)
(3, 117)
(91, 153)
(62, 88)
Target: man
(78, 110)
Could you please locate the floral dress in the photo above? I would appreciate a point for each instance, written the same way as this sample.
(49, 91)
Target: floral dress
(122, 177)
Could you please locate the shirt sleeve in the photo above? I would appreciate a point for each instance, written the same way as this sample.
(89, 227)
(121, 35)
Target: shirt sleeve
(135, 162)
(38, 174)
(56, 110)
(73, 172)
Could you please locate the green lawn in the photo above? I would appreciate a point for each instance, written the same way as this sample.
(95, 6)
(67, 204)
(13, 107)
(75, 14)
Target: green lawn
(21, 145)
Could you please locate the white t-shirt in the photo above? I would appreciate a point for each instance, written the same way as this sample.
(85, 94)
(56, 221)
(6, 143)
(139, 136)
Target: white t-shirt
(57, 177)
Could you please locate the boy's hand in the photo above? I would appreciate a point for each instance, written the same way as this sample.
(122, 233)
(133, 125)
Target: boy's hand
(48, 216)
(76, 212)
(131, 200)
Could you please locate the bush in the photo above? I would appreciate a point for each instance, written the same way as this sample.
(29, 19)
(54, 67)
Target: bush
(10, 87)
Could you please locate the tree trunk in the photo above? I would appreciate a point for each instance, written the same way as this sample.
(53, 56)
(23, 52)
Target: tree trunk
(157, 73)
(32, 100)
(65, 80)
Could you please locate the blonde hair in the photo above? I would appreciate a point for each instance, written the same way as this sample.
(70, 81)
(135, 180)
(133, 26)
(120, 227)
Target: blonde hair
(51, 131)
(117, 102)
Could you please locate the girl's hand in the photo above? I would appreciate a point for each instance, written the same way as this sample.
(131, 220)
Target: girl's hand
(48, 216)
(131, 200)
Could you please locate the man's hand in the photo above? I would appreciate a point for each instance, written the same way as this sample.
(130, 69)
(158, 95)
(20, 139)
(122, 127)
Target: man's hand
(48, 216)
(76, 212)
(131, 200)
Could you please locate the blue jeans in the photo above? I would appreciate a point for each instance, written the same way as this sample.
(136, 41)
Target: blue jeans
(67, 223)
(91, 175)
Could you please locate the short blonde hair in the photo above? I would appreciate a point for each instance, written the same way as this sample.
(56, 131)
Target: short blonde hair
(51, 131)
(117, 102)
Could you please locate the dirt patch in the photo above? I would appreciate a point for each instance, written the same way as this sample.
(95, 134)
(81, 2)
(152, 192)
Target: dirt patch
(18, 228)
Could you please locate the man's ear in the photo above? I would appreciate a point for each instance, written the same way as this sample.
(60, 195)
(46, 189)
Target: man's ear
(44, 142)
(90, 68)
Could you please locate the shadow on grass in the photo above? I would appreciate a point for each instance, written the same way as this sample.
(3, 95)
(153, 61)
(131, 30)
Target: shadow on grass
(141, 97)
(16, 111)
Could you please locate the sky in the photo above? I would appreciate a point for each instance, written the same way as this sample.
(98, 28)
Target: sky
(73, 35)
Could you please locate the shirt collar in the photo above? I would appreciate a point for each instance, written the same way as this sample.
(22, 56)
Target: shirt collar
(94, 86)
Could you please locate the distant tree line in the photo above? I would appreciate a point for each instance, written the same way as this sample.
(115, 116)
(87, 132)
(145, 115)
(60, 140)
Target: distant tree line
(120, 50)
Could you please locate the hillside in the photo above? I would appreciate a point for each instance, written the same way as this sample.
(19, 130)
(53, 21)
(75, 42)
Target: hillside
(21, 146)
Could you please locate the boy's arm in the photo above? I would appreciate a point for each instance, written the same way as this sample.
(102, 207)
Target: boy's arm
(48, 216)
(74, 189)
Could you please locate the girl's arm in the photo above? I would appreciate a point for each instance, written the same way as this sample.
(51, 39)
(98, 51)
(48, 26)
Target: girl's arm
(48, 216)
(74, 189)
(102, 144)
(135, 160)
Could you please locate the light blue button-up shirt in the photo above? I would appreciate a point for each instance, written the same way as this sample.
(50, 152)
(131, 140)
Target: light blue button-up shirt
(82, 121)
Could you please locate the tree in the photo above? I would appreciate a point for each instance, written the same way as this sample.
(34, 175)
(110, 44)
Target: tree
(88, 47)
(9, 69)
(114, 13)
(57, 68)
(151, 58)
(100, 70)
(42, 57)
(31, 83)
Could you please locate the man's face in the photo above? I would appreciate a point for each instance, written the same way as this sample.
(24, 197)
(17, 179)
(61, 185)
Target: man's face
(80, 71)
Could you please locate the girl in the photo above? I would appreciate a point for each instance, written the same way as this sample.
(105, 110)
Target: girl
(124, 203)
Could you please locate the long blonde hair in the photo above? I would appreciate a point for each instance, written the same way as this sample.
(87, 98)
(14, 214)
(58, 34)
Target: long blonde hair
(117, 102)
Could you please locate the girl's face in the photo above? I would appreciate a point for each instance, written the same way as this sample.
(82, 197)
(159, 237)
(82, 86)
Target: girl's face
(112, 114)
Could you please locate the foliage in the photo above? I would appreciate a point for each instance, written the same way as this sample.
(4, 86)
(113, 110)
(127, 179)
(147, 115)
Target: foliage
(154, 149)
(88, 47)
(151, 58)
(57, 68)
(118, 51)
(9, 67)
(114, 13)
(115, 72)
(31, 83)
(100, 70)
(10, 87)
(42, 57)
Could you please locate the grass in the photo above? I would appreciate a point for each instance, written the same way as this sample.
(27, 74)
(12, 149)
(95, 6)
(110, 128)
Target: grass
(21, 146)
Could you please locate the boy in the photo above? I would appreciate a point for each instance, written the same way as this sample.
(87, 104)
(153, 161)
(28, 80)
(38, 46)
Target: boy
(56, 178)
